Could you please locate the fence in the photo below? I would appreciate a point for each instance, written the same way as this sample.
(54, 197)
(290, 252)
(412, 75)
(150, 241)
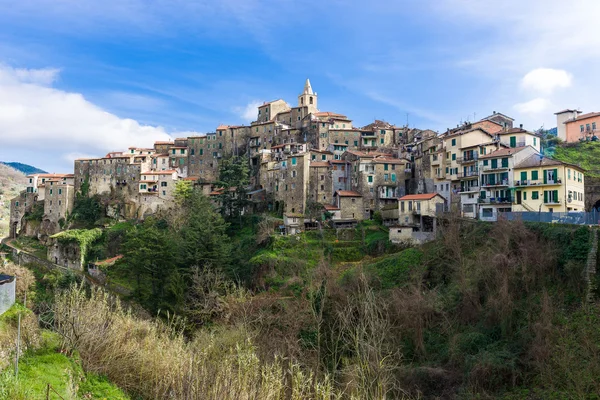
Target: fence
(7, 292)
(576, 218)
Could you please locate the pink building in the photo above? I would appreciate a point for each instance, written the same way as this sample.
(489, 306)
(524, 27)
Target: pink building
(574, 126)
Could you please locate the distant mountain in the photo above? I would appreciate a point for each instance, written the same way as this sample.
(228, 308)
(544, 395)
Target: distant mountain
(24, 168)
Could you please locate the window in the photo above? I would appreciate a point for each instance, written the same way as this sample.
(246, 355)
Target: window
(524, 195)
(163, 184)
(453, 156)
(50, 192)
(385, 167)
(322, 177)
(385, 177)
(535, 195)
(393, 177)
(294, 161)
(143, 186)
(182, 151)
(535, 141)
(401, 206)
(370, 179)
(59, 191)
(354, 200)
(487, 212)
(523, 177)
(581, 128)
(16, 204)
(593, 126)
(164, 192)
(587, 127)
(322, 187)
(534, 175)
(485, 163)
(410, 206)
(453, 142)
(568, 173)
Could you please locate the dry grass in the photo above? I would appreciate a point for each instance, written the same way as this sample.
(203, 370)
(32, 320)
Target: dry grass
(153, 360)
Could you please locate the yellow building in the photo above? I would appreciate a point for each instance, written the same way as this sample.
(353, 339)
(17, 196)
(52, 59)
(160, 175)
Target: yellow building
(547, 185)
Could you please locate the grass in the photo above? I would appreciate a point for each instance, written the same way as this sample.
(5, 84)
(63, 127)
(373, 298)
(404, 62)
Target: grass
(585, 155)
(32, 246)
(47, 365)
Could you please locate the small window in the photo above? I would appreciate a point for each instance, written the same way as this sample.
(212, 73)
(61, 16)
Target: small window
(453, 142)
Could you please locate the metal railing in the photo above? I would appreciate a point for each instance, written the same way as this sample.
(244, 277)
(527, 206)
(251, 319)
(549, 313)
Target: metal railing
(468, 159)
(538, 182)
(496, 200)
(577, 218)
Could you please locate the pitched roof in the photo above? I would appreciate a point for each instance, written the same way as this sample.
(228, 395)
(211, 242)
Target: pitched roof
(424, 196)
(535, 161)
(504, 152)
(513, 130)
(330, 207)
(566, 110)
(329, 114)
(348, 193)
(583, 116)
(378, 124)
(388, 160)
(221, 127)
(371, 154)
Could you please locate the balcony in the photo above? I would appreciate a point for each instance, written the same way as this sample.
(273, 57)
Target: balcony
(464, 160)
(495, 184)
(496, 200)
(441, 175)
(388, 193)
(496, 168)
(552, 201)
(471, 189)
(448, 161)
(538, 183)
(367, 134)
(469, 174)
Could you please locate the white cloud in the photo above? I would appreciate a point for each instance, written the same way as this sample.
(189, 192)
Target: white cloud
(535, 106)
(249, 111)
(58, 124)
(546, 80)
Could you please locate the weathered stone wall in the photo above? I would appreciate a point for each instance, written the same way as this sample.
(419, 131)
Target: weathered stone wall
(592, 192)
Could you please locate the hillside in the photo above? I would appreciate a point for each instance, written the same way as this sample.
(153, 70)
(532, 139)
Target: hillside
(11, 183)
(24, 168)
(585, 154)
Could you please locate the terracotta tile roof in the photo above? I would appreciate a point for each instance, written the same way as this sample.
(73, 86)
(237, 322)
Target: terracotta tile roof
(159, 143)
(378, 124)
(513, 130)
(319, 164)
(109, 261)
(534, 161)
(371, 154)
(583, 116)
(386, 160)
(424, 196)
(348, 193)
(321, 151)
(339, 162)
(330, 207)
(329, 114)
(222, 127)
(504, 152)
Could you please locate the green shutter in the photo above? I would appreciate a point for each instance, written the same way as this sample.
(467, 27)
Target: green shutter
(453, 156)
(534, 175)
(513, 141)
(505, 163)
(482, 194)
(555, 196)
(485, 162)
(555, 175)
(545, 180)
(495, 163)
(524, 195)
(545, 196)
(523, 176)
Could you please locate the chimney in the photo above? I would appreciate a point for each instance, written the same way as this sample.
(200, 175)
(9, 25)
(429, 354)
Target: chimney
(521, 126)
(494, 112)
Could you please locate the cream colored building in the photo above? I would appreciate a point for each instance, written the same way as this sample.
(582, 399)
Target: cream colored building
(547, 185)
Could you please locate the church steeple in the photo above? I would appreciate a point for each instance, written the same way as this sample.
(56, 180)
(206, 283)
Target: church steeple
(307, 87)
(308, 98)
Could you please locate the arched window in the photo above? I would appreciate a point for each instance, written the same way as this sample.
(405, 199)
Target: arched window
(301, 100)
(311, 100)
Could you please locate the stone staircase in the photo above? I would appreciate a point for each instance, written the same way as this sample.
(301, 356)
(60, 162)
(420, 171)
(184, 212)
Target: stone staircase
(590, 268)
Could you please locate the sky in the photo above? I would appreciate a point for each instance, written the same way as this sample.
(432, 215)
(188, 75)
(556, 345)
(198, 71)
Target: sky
(80, 78)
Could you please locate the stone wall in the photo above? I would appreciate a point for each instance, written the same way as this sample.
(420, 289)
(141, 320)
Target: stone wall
(592, 192)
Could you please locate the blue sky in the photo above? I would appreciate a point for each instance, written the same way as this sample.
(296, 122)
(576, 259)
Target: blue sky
(82, 77)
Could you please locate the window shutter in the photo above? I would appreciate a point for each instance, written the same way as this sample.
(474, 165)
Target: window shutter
(482, 195)
(524, 176)
(545, 196)
(545, 180)
(555, 175)
(534, 175)
(555, 196)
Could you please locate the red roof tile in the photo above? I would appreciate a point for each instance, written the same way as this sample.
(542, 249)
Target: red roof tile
(503, 152)
(348, 193)
(424, 196)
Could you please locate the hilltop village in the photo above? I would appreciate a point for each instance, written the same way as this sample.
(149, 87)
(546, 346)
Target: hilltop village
(300, 155)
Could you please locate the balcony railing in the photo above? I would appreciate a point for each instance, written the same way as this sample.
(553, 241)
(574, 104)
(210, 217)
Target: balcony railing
(496, 168)
(473, 173)
(468, 189)
(500, 183)
(472, 158)
(496, 200)
(538, 182)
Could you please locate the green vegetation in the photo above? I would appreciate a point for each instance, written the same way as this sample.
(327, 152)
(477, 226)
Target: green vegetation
(234, 177)
(24, 168)
(31, 245)
(584, 154)
(36, 213)
(83, 237)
